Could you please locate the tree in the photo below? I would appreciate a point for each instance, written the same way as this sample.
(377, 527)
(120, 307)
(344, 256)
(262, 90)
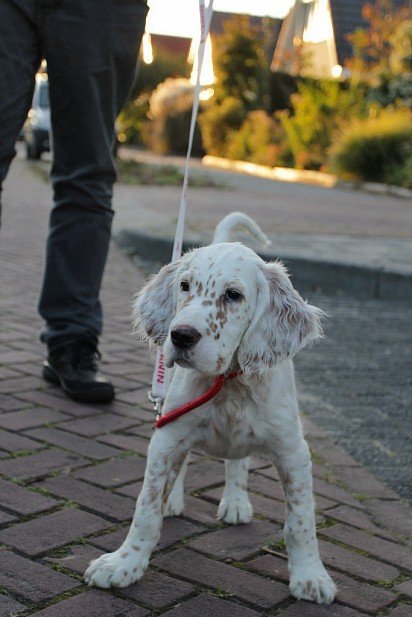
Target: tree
(240, 65)
(383, 48)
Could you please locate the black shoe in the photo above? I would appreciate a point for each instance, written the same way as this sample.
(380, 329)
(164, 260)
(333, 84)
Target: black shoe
(74, 367)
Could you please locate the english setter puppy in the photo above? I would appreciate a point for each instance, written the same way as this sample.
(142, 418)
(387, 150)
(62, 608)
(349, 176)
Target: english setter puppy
(218, 309)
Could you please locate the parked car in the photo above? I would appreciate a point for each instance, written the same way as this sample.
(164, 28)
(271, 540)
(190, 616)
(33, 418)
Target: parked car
(37, 126)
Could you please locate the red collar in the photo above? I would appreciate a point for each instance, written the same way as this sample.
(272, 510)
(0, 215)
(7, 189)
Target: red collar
(196, 402)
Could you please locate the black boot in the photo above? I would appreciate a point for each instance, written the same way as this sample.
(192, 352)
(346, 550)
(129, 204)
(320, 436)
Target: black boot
(74, 367)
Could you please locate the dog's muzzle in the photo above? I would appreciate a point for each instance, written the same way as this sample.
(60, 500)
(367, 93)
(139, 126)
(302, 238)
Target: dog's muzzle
(185, 337)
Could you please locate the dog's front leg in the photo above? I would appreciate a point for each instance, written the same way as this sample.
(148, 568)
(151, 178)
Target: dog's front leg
(309, 579)
(235, 506)
(166, 454)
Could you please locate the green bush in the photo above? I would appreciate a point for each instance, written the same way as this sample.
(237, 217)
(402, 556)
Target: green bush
(218, 121)
(170, 110)
(317, 109)
(259, 140)
(376, 149)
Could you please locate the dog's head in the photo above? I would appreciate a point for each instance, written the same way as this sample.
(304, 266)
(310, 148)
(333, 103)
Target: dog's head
(222, 307)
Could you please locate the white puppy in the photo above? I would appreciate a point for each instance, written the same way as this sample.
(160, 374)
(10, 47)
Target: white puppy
(217, 309)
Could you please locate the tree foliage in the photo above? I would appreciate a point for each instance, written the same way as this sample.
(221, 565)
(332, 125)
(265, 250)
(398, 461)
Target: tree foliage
(240, 65)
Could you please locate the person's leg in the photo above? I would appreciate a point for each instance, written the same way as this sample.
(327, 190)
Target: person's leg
(19, 60)
(91, 50)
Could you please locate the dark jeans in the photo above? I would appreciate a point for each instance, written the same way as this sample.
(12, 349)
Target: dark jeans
(91, 48)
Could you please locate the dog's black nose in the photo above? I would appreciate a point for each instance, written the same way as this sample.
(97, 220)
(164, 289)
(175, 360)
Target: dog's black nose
(185, 337)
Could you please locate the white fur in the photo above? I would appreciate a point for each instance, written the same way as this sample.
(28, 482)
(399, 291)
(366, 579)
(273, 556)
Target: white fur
(256, 413)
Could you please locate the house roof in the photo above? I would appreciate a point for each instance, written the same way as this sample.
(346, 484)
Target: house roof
(346, 16)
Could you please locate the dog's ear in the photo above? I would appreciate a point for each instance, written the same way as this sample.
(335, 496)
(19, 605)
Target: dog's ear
(155, 304)
(282, 323)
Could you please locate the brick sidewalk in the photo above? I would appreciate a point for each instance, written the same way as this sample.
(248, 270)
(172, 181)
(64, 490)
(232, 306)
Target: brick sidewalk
(70, 474)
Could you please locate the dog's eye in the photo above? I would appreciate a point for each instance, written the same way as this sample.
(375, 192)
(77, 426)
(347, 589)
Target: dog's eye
(184, 285)
(233, 295)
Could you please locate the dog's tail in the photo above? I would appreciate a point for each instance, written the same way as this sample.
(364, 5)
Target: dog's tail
(238, 219)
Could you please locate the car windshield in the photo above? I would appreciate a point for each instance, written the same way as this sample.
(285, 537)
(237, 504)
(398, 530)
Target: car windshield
(44, 95)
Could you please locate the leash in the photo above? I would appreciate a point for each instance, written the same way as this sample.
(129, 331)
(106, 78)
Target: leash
(196, 402)
(161, 375)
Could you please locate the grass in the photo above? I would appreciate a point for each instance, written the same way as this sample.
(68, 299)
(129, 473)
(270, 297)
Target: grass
(132, 172)
(142, 174)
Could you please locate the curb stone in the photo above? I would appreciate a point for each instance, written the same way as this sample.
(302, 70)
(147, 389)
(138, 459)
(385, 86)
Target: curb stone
(358, 281)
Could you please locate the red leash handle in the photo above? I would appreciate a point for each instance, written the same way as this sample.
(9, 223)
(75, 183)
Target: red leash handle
(197, 402)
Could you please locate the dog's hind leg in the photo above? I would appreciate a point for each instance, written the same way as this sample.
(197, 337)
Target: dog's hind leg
(175, 501)
(235, 506)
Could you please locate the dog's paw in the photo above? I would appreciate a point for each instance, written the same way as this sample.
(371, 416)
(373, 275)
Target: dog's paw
(312, 582)
(118, 569)
(235, 510)
(174, 505)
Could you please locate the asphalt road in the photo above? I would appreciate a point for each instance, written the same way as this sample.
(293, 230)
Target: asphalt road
(357, 383)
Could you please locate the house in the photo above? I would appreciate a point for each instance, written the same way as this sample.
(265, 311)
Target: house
(313, 39)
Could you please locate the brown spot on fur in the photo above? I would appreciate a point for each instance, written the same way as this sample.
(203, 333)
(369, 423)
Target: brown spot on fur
(207, 302)
(135, 547)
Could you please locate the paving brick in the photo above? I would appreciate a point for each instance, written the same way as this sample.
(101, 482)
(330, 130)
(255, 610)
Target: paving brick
(364, 482)
(93, 603)
(405, 588)
(19, 384)
(75, 443)
(22, 500)
(357, 518)
(308, 609)
(200, 510)
(333, 454)
(174, 530)
(38, 465)
(77, 558)
(394, 515)
(383, 549)
(334, 492)
(98, 425)
(206, 605)
(58, 402)
(355, 564)
(238, 541)
(30, 580)
(199, 569)
(6, 517)
(261, 484)
(204, 474)
(361, 595)
(157, 590)
(267, 486)
(114, 473)
(20, 420)
(130, 490)
(8, 403)
(95, 499)
(11, 442)
(143, 430)
(16, 357)
(127, 442)
(402, 610)
(271, 565)
(51, 531)
(9, 607)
